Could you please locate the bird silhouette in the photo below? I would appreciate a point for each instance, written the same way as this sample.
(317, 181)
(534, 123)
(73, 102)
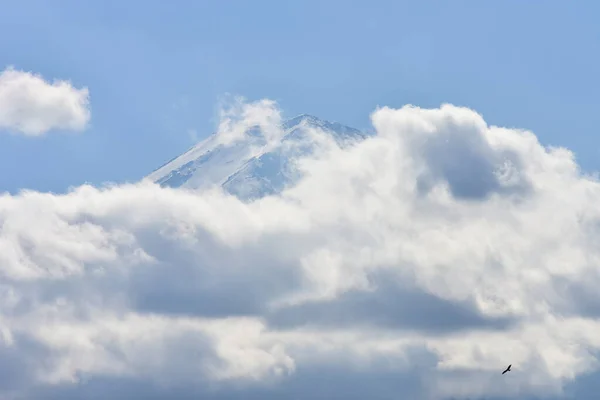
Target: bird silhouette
(507, 369)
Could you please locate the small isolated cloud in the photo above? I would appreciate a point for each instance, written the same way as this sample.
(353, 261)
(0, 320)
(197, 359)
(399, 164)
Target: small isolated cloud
(415, 264)
(32, 106)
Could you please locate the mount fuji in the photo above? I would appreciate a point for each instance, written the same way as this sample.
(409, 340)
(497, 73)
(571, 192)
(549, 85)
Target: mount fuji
(252, 167)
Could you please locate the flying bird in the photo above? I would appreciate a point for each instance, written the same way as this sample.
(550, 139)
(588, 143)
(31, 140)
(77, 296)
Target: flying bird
(507, 369)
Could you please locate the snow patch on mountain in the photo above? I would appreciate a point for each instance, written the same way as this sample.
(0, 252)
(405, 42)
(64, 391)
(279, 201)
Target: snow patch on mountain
(254, 166)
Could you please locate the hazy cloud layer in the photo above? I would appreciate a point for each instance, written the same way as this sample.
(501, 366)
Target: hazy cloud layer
(418, 263)
(32, 106)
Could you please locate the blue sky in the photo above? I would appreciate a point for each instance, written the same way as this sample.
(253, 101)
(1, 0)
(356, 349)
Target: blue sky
(157, 69)
(419, 261)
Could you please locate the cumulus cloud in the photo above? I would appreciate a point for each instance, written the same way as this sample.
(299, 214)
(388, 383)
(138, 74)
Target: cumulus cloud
(418, 262)
(32, 106)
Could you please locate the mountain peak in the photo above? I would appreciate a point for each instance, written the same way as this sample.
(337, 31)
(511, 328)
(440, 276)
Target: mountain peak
(329, 126)
(306, 118)
(242, 168)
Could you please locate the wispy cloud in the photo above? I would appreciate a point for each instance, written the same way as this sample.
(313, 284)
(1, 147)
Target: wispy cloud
(237, 117)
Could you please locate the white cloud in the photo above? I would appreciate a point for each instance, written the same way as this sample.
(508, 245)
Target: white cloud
(32, 106)
(438, 251)
(237, 117)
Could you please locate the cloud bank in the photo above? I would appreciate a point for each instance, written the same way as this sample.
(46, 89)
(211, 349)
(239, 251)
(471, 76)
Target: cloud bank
(31, 106)
(417, 263)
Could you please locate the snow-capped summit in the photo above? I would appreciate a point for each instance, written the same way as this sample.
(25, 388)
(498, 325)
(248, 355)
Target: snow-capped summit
(251, 167)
